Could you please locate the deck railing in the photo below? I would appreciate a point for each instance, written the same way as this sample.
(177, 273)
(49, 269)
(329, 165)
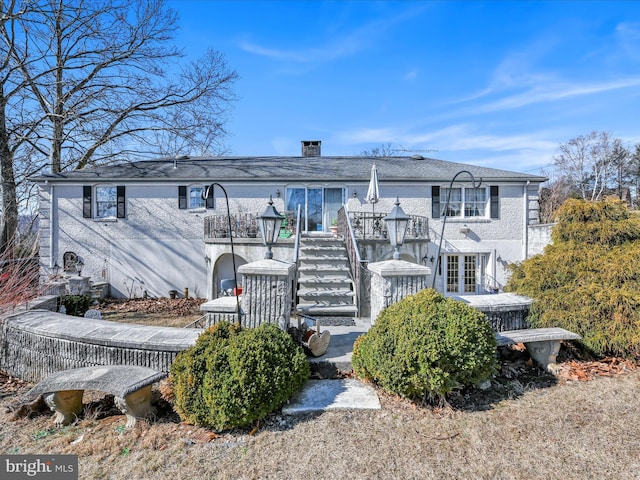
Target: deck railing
(367, 225)
(243, 225)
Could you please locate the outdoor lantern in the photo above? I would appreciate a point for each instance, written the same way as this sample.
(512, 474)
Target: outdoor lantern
(397, 222)
(79, 265)
(270, 222)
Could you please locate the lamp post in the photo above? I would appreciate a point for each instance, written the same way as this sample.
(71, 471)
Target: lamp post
(397, 222)
(444, 219)
(205, 194)
(270, 222)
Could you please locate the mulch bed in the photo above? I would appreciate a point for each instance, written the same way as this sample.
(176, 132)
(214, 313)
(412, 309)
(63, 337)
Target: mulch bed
(177, 307)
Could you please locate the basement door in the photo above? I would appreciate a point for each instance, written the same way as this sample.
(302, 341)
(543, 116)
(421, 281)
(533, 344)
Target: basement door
(465, 273)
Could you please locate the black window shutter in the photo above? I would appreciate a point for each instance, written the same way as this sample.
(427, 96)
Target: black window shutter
(182, 197)
(210, 203)
(86, 201)
(121, 201)
(435, 202)
(495, 204)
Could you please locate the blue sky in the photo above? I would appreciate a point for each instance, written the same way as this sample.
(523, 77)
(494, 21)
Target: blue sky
(499, 84)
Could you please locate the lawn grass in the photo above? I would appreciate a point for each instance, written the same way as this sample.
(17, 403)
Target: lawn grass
(574, 430)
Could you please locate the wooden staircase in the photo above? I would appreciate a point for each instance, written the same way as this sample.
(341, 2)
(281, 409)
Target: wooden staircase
(325, 287)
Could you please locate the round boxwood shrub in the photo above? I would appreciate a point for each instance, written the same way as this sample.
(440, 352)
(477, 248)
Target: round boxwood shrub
(426, 345)
(76, 305)
(232, 376)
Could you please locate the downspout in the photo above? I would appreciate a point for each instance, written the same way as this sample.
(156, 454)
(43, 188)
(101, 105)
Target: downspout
(525, 247)
(53, 227)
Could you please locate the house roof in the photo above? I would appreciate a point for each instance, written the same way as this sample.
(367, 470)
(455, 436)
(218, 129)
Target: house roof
(285, 169)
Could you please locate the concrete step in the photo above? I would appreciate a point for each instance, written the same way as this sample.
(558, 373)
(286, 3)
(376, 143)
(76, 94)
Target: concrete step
(321, 268)
(333, 310)
(337, 248)
(338, 356)
(312, 278)
(325, 292)
(322, 256)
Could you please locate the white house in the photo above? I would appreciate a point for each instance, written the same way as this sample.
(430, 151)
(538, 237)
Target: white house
(141, 226)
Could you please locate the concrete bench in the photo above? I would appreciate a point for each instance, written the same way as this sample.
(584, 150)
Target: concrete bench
(130, 385)
(543, 344)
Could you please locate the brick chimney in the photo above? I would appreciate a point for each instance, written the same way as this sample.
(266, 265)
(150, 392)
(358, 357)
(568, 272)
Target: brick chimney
(311, 148)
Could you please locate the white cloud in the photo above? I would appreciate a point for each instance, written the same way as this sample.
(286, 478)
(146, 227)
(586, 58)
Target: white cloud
(549, 92)
(340, 46)
(411, 75)
(463, 143)
(629, 38)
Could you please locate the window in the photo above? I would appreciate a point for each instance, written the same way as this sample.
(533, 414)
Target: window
(464, 202)
(475, 202)
(454, 207)
(190, 197)
(195, 197)
(104, 201)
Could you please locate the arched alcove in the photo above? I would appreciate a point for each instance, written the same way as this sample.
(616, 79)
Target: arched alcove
(223, 268)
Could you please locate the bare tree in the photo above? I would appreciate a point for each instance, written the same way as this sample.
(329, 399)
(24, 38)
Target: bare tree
(588, 162)
(634, 174)
(11, 126)
(102, 80)
(384, 150)
(552, 195)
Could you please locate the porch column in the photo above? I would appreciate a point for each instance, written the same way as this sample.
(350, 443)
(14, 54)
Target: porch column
(392, 280)
(267, 292)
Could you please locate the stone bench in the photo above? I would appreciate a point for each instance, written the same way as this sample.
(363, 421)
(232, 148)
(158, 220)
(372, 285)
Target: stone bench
(543, 344)
(130, 385)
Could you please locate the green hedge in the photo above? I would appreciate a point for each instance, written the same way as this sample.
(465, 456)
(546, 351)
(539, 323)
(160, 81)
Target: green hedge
(588, 280)
(232, 376)
(425, 346)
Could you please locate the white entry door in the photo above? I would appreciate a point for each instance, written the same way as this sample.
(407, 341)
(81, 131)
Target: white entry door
(464, 273)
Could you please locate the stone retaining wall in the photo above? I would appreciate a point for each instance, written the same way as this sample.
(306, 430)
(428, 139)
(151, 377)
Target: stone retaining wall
(37, 343)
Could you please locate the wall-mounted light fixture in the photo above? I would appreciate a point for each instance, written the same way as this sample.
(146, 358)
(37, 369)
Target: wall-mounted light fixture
(464, 230)
(355, 194)
(278, 193)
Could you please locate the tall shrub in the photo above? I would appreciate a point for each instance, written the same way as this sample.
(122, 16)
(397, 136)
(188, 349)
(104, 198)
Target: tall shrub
(425, 346)
(588, 280)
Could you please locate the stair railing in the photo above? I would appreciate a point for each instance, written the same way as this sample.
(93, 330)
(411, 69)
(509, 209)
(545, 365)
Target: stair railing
(296, 260)
(357, 266)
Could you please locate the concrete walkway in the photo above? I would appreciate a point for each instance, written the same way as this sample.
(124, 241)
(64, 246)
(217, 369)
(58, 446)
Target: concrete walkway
(331, 392)
(343, 393)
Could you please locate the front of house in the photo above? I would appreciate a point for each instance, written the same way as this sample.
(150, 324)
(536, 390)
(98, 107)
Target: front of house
(140, 226)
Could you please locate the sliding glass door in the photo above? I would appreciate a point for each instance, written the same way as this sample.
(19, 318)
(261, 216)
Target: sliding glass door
(320, 205)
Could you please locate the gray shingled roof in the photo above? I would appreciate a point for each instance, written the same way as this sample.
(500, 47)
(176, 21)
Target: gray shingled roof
(286, 169)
